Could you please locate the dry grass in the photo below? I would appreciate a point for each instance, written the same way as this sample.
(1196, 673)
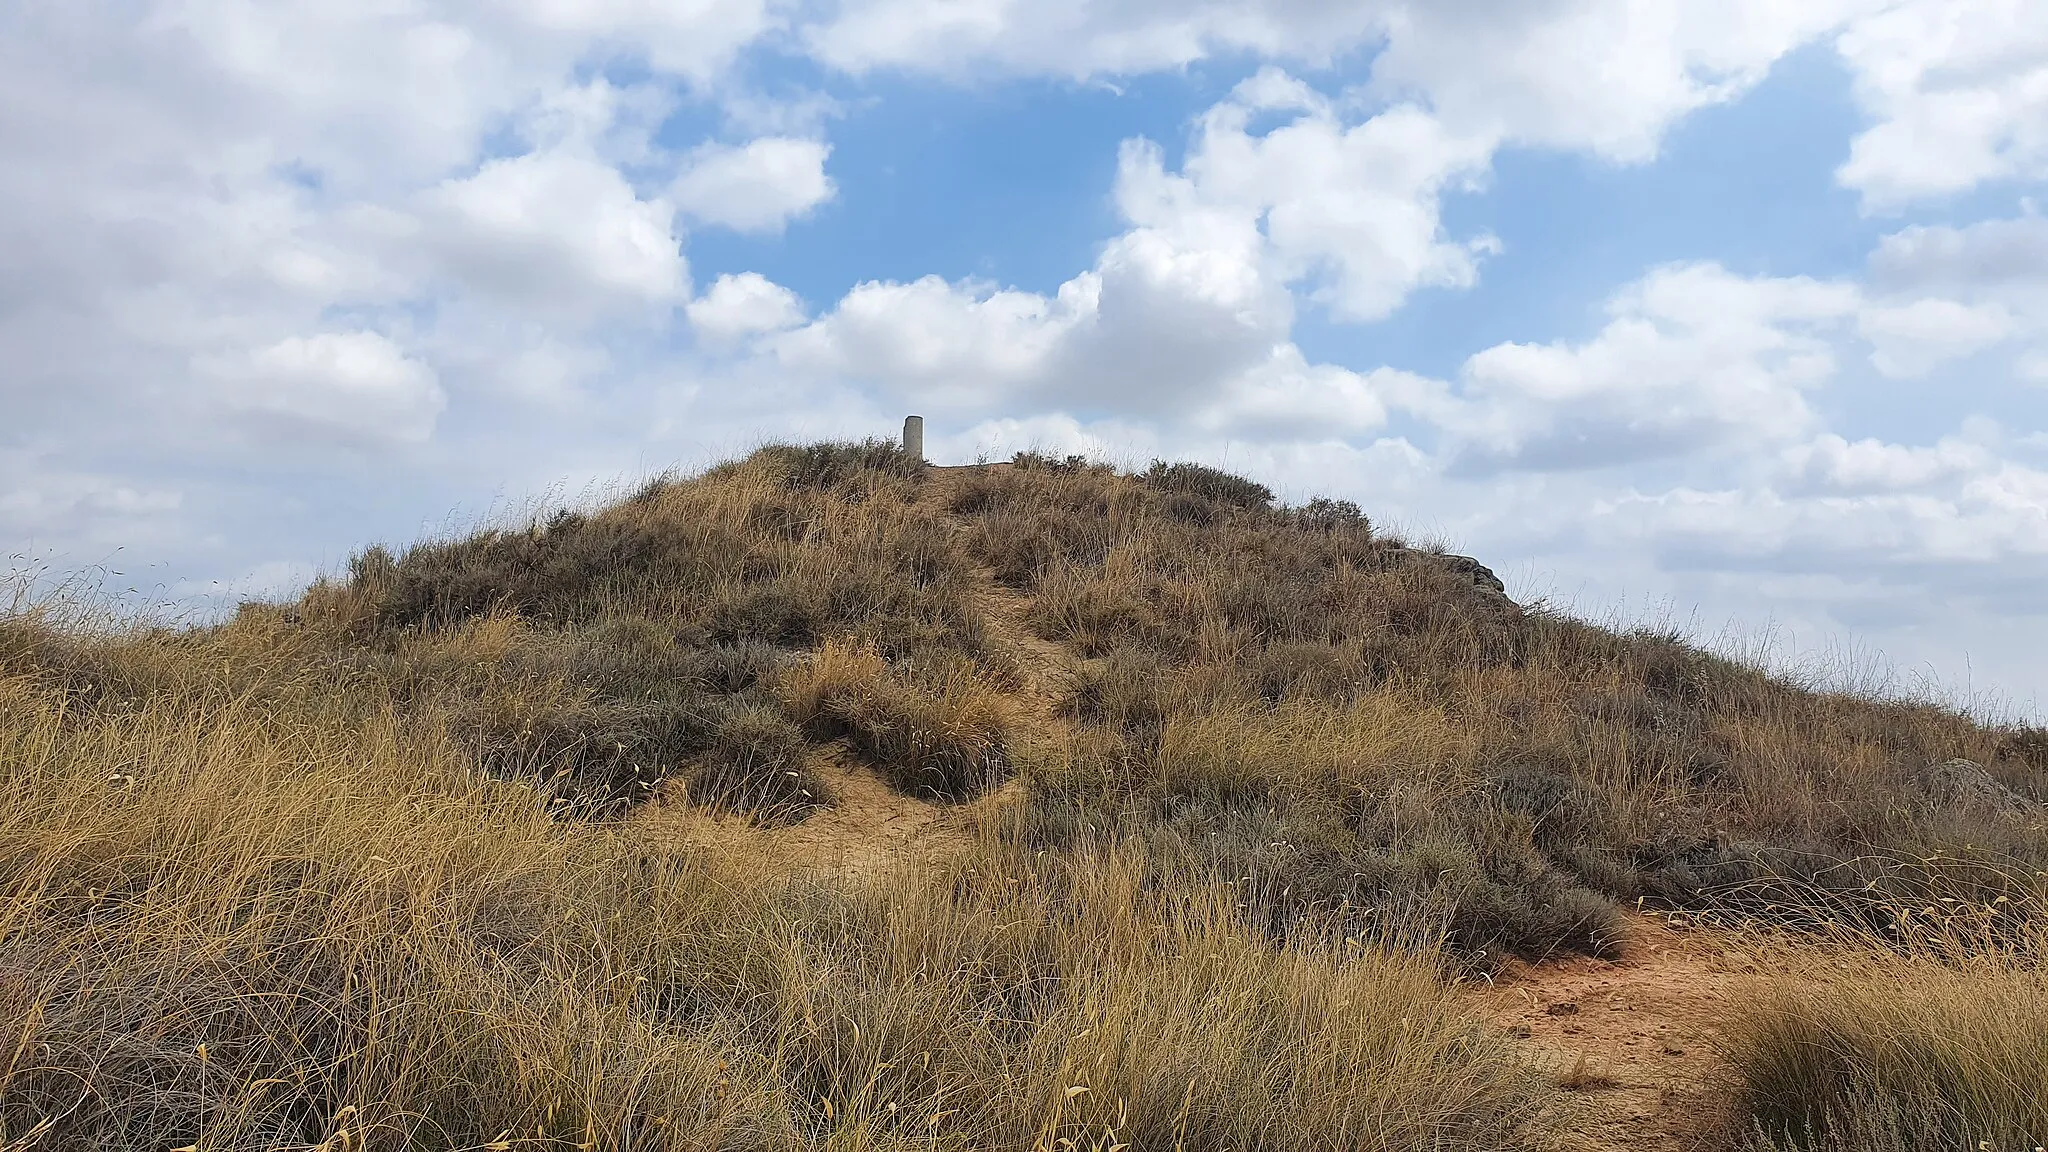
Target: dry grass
(259, 910)
(1930, 1034)
(1545, 765)
(354, 873)
(933, 728)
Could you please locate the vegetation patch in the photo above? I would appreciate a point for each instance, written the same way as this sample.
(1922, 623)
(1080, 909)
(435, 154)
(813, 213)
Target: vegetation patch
(937, 730)
(367, 870)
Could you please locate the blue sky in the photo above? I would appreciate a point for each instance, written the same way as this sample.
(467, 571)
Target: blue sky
(1728, 313)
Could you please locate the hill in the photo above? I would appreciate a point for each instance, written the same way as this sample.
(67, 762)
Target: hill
(829, 799)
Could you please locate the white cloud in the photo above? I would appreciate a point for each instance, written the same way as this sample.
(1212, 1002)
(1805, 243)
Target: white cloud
(1993, 515)
(940, 344)
(1077, 38)
(357, 383)
(1912, 339)
(758, 187)
(1607, 76)
(1947, 292)
(696, 39)
(1289, 399)
(1693, 358)
(1959, 93)
(743, 305)
(1832, 464)
(1990, 256)
(555, 227)
(1354, 208)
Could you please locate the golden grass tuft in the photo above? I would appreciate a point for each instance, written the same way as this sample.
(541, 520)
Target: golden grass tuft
(935, 729)
(1936, 1037)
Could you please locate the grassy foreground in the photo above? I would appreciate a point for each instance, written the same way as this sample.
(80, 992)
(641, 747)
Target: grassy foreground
(369, 870)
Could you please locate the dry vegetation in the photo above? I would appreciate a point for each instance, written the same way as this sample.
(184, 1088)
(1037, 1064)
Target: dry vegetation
(365, 871)
(1932, 1034)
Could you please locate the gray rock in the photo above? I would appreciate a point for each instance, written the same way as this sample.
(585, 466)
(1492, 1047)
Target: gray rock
(1966, 783)
(1479, 574)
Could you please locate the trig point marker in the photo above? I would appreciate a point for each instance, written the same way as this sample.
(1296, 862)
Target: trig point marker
(913, 436)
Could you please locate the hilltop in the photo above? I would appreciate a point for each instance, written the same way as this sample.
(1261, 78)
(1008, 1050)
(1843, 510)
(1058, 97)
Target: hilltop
(831, 799)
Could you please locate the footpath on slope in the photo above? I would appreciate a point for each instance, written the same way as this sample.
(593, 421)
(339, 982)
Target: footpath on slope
(873, 827)
(1636, 1040)
(1633, 1040)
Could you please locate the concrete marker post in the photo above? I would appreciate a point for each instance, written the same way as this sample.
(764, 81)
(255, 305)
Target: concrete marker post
(913, 436)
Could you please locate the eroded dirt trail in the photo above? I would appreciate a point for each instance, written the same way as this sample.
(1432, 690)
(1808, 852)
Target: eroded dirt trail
(1636, 1039)
(873, 827)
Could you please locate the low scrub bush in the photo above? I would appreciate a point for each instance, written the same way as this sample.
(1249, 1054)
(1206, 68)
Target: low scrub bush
(1208, 484)
(832, 463)
(757, 765)
(1359, 820)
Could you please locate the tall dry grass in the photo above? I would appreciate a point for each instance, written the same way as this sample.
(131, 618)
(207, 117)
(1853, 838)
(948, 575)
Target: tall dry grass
(935, 728)
(1572, 765)
(360, 872)
(262, 905)
(1932, 1036)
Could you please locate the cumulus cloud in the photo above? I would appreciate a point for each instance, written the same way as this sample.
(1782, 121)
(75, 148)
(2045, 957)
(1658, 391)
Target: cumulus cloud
(743, 305)
(1353, 207)
(1831, 464)
(696, 39)
(759, 186)
(354, 224)
(1991, 516)
(945, 345)
(1912, 339)
(1943, 292)
(359, 384)
(1609, 76)
(1988, 256)
(1193, 299)
(553, 228)
(1692, 358)
(1287, 398)
(1078, 39)
(1958, 93)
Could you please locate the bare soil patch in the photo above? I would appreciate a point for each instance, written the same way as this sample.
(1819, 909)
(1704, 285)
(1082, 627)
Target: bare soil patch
(1636, 1039)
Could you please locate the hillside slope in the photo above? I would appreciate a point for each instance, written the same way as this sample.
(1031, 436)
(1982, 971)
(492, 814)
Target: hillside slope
(827, 799)
(1280, 694)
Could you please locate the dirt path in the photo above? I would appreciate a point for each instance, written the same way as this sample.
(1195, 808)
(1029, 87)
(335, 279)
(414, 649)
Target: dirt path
(870, 829)
(872, 826)
(1635, 1040)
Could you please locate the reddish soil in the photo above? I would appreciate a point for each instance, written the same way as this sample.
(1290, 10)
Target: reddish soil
(1635, 1039)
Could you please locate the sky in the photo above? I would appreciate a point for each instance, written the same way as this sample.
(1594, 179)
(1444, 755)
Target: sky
(1723, 315)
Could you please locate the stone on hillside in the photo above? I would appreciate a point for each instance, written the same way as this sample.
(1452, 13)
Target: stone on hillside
(1966, 783)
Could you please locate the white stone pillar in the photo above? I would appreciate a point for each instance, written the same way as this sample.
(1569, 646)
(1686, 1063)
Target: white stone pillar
(913, 436)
